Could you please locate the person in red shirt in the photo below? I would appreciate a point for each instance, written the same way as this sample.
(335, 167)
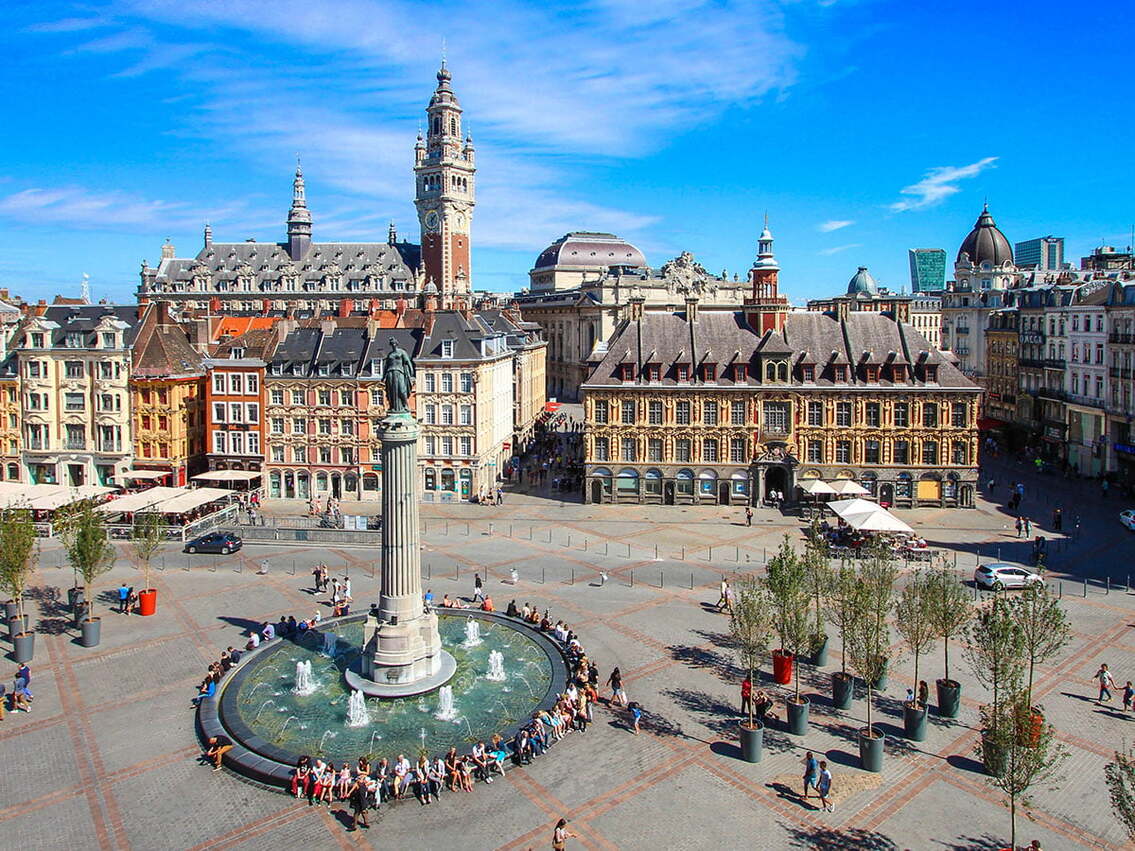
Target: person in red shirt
(746, 694)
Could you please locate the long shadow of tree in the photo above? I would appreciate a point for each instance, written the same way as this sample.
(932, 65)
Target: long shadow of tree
(721, 717)
(832, 839)
(55, 617)
(985, 842)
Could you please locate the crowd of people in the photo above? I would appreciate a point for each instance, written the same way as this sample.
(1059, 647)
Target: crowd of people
(556, 453)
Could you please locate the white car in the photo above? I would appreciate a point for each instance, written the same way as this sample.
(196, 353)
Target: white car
(1127, 518)
(1000, 576)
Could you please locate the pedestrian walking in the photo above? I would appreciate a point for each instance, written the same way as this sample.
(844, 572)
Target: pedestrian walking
(561, 835)
(1128, 696)
(123, 597)
(1106, 682)
(811, 773)
(748, 515)
(478, 588)
(746, 695)
(723, 599)
(824, 787)
(1028, 528)
(263, 568)
(1020, 527)
(636, 716)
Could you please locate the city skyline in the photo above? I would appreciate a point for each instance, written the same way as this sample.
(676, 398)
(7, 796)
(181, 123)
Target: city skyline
(209, 108)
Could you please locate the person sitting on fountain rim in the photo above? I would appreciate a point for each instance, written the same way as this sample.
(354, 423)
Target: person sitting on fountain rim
(498, 753)
(401, 776)
(301, 778)
(482, 762)
(437, 776)
(522, 747)
(422, 779)
(451, 769)
(382, 775)
(267, 631)
(487, 605)
(218, 747)
(512, 611)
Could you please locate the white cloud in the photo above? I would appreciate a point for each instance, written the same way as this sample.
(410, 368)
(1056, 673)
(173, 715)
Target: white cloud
(838, 248)
(939, 184)
(834, 224)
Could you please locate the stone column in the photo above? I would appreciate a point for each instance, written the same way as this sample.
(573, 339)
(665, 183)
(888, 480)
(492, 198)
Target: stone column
(401, 539)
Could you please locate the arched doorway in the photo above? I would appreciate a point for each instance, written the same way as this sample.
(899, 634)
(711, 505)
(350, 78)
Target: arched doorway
(886, 494)
(723, 493)
(596, 490)
(669, 493)
(776, 479)
(336, 486)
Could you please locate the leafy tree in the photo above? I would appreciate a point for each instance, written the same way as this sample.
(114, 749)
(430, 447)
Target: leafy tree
(788, 589)
(1045, 629)
(818, 578)
(18, 540)
(750, 622)
(843, 606)
(995, 650)
(950, 610)
(913, 617)
(147, 536)
(871, 638)
(85, 541)
(1028, 752)
(1120, 776)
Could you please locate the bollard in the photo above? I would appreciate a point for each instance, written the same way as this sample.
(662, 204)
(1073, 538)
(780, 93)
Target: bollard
(447, 525)
(569, 542)
(632, 577)
(683, 553)
(585, 544)
(573, 576)
(293, 567)
(162, 568)
(691, 580)
(999, 554)
(628, 550)
(1107, 586)
(466, 530)
(656, 552)
(605, 545)
(456, 572)
(737, 554)
(542, 575)
(710, 557)
(660, 579)
(1085, 586)
(187, 562)
(490, 528)
(1061, 589)
(764, 555)
(1127, 585)
(510, 530)
(549, 536)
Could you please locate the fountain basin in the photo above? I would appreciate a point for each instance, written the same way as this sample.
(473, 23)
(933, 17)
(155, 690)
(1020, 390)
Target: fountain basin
(265, 755)
(372, 688)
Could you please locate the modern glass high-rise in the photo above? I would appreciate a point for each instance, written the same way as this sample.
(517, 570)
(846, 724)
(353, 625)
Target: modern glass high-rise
(927, 270)
(1045, 253)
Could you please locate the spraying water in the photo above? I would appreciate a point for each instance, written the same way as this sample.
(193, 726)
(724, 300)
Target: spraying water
(496, 667)
(305, 683)
(330, 640)
(357, 715)
(261, 709)
(445, 710)
(472, 633)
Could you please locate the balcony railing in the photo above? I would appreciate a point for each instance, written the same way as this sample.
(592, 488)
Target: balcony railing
(1120, 338)
(1033, 362)
(1054, 363)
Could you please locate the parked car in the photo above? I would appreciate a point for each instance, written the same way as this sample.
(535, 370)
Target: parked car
(1127, 518)
(1000, 576)
(215, 542)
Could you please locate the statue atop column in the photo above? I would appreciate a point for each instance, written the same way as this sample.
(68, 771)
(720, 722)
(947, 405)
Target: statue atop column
(398, 373)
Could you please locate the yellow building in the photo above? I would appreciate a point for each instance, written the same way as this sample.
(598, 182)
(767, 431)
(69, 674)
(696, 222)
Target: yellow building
(10, 469)
(737, 408)
(167, 395)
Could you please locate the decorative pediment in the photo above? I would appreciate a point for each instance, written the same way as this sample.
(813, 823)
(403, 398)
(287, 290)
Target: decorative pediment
(684, 274)
(777, 452)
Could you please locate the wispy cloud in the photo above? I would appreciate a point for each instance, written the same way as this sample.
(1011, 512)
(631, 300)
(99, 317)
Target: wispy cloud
(938, 184)
(834, 224)
(836, 249)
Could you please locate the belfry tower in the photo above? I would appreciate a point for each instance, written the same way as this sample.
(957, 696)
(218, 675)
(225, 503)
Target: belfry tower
(444, 172)
(767, 309)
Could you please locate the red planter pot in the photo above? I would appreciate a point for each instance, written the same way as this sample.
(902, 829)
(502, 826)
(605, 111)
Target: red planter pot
(147, 601)
(782, 667)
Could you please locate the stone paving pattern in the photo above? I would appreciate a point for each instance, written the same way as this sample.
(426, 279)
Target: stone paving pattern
(107, 757)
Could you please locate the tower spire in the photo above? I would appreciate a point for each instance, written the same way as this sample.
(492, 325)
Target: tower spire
(299, 217)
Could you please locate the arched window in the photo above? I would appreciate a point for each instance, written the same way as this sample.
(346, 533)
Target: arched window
(370, 482)
(351, 483)
(770, 371)
(303, 486)
(453, 126)
(273, 484)
(431, 479)
(320, 482)
(782, 372)
(448, 481)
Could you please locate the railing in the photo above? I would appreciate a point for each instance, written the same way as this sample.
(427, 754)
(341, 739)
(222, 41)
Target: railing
(1033, 362)
(1054, 363)
(1120, 338)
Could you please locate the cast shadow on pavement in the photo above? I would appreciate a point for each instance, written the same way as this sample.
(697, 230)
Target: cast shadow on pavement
(833, 839)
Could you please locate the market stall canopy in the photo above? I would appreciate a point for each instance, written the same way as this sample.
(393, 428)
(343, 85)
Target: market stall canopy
(883, 521)
(187, 500)
(66, 496)
(144, 475)
(867, 516)
(815, 487)
(227, 476)
(135, 502)
(847, 487)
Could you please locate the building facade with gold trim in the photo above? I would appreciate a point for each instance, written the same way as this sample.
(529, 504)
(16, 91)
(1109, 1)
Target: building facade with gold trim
(731, 408)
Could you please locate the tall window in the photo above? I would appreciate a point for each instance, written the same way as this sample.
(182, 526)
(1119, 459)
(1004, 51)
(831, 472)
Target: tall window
(871, 452)
(601, 411)
(628, 413)
(960, 454)
(902, 414)
(737, 413)
(958, 415)
(816, 451)
(843, 414)
(843, 451)
(815, 413)
(466, 382)
(298, 398)
(873, 414)
(709, 413)
(682, 412)
(737, 450)
(929, 415)
(682, 449)
(628, 449)
(709, 450)
(602, 449)
(930, 452)
(447, 382)
(466, 445)
(323, 397)
(431, 382)
(654, 413)
(776, 417)
(466, 415)
(447, 415)
(654, 449)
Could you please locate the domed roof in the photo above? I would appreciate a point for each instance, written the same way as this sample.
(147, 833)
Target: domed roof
(986, 243)
(590, 250)
(862, 283)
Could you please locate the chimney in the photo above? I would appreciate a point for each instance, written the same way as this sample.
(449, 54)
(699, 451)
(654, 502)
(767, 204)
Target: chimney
(168, 251)
(214, 305)
(208, 236)
(691, 309)
(327, 327)
(163, 313)
(265, 306)
(345, 307)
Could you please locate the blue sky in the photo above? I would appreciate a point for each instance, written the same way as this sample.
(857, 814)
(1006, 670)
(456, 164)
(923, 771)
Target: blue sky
(862, 128)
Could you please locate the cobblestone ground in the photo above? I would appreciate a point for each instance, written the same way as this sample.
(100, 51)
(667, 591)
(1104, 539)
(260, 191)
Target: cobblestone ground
(107, 757)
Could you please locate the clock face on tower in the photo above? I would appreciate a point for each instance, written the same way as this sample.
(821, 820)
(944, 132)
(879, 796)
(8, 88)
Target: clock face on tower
(432, 220)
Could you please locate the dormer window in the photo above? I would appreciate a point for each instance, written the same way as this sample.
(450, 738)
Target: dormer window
(653, 372)
(776, 372)
(898, 372)
(931, 372)
(682, 371)
(108, 340)
(238, 353)
(872, 373)
(277, 369)
(839, 373)
(325, 369)
(447, 348)
(709, 372)
(74, 340)
(740, 372)
(626, 372)
(808, 374)
(37, 341)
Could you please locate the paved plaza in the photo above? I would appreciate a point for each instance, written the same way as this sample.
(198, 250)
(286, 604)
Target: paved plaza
(107, 757)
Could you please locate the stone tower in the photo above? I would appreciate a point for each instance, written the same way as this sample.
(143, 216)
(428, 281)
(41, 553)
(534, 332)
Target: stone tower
(444, 172)
(299, 220)
(767, 309)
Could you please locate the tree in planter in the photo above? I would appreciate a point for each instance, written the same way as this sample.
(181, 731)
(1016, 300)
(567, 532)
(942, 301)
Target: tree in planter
(1120, 776)
(750, 622)
(818, 578)
(147, 536)
(85, 542)
(950, 610)
(995, 651)
(788, 589)
(843, 606)
(1028, 750)
(871, 636)
(17, 543)
(1044, 627)
(914, 620)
